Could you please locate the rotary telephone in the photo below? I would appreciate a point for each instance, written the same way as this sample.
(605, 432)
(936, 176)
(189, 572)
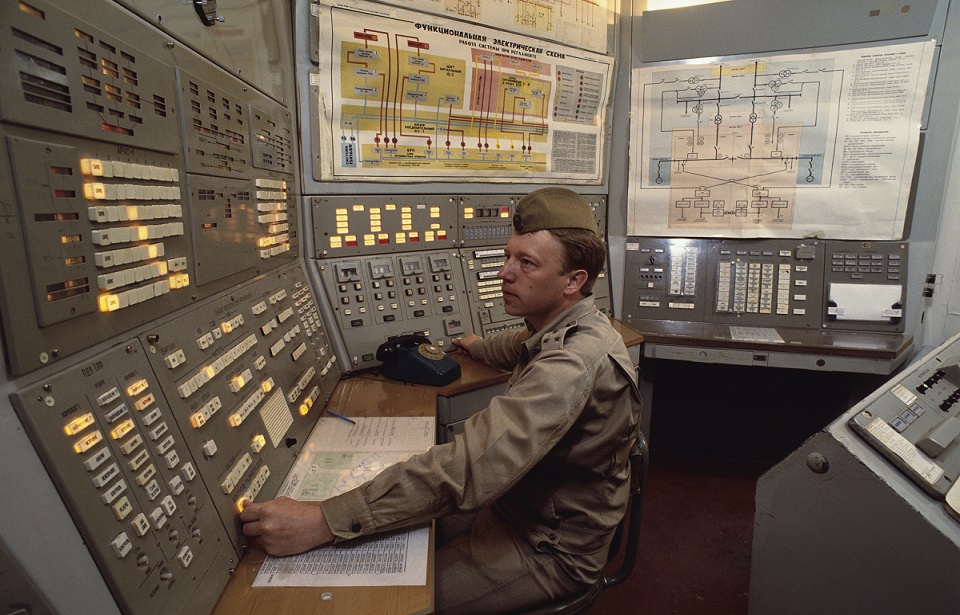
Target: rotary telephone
(414, 358)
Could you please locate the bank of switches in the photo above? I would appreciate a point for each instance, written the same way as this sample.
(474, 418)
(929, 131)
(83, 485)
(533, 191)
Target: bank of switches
(156, 442)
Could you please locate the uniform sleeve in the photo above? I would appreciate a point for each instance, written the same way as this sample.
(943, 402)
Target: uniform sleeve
(499, 446)
(501, 350)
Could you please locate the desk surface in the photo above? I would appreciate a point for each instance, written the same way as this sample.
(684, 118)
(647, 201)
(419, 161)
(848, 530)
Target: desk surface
(866, 344)
(352, 397)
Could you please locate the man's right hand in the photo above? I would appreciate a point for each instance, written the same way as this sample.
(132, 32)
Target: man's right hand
(285, 527)
(464, 343)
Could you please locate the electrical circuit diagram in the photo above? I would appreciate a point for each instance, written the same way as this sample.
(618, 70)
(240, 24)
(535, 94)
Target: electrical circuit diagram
(817, 144)
(414, 100)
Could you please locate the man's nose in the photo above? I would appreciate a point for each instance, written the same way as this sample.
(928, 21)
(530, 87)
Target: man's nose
(505, 270)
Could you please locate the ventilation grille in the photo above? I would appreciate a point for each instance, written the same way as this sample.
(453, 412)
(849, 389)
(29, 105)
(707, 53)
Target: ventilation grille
(42, 81)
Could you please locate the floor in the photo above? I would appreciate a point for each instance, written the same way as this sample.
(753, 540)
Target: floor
(716, 429)
(695, 539)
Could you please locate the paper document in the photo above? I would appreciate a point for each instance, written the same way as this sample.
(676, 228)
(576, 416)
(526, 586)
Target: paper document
(755, 334)
(337, 457)
(393, 558)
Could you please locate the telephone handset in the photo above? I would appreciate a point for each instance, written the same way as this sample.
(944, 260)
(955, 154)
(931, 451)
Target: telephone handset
(414, 358)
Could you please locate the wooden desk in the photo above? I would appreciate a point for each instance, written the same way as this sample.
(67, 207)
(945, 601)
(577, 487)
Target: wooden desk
(352, 397)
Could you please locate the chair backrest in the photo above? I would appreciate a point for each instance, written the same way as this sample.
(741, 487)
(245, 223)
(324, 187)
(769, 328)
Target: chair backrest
(639, 462)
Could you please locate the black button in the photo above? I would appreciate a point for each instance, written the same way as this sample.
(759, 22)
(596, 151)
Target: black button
(355, 528)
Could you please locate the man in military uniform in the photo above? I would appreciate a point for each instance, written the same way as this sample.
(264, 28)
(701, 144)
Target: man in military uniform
(544, 466)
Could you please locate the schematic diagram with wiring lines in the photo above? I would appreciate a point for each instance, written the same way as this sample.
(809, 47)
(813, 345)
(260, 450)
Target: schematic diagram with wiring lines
(411, 101)
(579, 23)
(765, 147)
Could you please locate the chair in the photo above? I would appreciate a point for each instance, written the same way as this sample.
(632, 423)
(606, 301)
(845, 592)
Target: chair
(580, 603)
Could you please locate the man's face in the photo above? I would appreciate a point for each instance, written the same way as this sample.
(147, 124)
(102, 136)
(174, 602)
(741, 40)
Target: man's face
(534, 284)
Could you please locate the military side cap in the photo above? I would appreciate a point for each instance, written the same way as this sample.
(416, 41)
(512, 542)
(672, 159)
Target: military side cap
(553, 208)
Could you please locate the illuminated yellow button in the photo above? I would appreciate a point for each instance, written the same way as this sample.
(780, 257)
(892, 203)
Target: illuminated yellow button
(267, 385)
(137, 387)
(342, 211)
(108, 303)
(336, 242)
(122, 429)
(257, 443)
(95, 191)
(144, 402)
(88, 442)
(240, 380)
(79, 424)
(91, 167)
(179, 280)
(358, 207)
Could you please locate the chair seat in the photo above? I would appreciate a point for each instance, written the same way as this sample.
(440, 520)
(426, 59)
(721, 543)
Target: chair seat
(577, 603)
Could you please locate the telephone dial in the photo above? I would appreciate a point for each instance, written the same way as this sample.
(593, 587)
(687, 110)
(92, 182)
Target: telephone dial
(414, 358)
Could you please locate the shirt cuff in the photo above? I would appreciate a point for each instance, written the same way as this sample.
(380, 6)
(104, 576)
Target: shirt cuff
(348, 515)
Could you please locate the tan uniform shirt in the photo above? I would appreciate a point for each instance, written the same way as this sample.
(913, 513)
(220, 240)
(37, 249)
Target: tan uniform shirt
(551, 453)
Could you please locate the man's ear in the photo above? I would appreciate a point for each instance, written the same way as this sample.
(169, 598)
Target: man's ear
(575, 281)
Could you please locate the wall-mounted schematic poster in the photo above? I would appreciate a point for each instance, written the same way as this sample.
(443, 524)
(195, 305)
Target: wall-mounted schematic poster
(405, 96)
(816, 145)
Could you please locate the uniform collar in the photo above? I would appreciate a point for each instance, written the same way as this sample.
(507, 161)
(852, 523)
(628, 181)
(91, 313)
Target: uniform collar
(565, 320)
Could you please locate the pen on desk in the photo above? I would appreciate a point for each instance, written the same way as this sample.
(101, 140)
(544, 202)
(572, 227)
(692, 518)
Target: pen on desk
(340, 416)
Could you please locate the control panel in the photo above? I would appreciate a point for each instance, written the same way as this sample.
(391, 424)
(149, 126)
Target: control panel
(379, 287)
(485, 225)
(377, 297)
(155, 442)
(809, 283)
(113, 220)
(243, 375)
(914, 421)
(112, 444)
(359, 225)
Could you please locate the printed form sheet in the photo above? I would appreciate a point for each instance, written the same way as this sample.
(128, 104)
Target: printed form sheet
(815, 145)
(337, 457)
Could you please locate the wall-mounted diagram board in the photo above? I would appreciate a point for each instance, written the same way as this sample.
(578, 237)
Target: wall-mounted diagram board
(406, 97)
(813, 145)
(579, 23)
